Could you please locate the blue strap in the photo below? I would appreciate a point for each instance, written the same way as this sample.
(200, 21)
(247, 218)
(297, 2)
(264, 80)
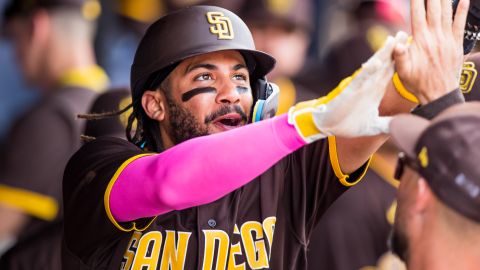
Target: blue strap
(258, 115)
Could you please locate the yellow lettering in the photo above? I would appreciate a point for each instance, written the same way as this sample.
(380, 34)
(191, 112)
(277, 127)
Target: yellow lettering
(174, 255)
(148, 251)
(232, 265)
(130, 253)
(269, 228)
(255, 250)
(211, 237)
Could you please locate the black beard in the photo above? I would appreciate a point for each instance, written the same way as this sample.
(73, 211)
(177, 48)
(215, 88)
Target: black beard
(226, 109)
(398, 243)
(183, 124)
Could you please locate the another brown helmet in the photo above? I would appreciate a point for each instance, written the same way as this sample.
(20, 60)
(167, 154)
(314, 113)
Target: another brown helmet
(189, 32)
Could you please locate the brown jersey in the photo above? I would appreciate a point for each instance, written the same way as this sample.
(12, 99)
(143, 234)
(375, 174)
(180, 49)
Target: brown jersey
(40, 144)
(266, 224)
(353, 232)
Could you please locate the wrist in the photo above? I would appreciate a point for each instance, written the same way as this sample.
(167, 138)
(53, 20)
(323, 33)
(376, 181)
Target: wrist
(301, 117)
(431, 109)
(429, 97)
(402, 90)
(437, 89)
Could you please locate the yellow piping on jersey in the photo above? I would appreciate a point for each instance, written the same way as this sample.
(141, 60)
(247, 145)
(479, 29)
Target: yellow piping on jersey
(106, 197)
(35, 204)
(332, 150)
(384, 170)
(91, 77)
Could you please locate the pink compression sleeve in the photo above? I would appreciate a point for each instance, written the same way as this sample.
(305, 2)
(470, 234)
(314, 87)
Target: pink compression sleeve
(201, 170)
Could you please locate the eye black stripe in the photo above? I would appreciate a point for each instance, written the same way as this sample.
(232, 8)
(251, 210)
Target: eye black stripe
(242, 89)
(191, 93)
(188, 95)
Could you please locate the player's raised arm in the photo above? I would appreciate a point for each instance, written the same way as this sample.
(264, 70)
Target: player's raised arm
(197, 81)
(429, 67)
(154, 185)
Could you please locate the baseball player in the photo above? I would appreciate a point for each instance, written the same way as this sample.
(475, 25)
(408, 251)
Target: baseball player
(52, 39)
(245, 196)
(437, 223)
(371, 205)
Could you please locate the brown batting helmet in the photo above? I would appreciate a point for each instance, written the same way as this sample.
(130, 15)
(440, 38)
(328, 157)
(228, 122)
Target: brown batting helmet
(190, 32)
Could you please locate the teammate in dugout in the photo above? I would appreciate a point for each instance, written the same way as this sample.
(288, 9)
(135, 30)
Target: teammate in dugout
(247, 195)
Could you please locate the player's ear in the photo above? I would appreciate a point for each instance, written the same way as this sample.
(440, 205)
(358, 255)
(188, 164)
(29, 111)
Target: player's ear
(154, 104)
(423, 195)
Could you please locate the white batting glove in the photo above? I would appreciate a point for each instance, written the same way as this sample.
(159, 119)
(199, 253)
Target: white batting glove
(351, 109)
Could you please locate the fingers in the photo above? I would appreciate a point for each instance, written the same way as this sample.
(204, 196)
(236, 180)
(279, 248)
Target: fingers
(374, 63)
(385, 53)
(417, 12)
(384, 68)
(401, 58)
(401, 37)
(460, 19)
(447, 14)
(378, 86)
(400, 52)
(381, 125)
(434, 13)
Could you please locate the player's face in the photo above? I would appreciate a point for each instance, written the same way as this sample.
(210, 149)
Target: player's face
(288, 46)
(208, 94)
(28, 54)
(404, 214)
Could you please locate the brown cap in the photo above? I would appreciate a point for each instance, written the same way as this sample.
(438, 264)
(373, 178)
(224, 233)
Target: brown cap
(190, 32)
(446, 152)
(90, 8)
(287, 13)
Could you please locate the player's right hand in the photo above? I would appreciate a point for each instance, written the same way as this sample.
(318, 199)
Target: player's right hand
(430, 66)
(351, 109)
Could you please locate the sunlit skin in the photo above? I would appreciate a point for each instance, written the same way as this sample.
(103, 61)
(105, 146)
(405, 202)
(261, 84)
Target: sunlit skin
(28, 53)
(404, 214)
(205, 84)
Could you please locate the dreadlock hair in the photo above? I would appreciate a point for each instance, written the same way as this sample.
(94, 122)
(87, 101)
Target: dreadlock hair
(99, 116)
(147, 135)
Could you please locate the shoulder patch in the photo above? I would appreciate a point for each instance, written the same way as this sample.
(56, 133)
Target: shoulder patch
(468, 77)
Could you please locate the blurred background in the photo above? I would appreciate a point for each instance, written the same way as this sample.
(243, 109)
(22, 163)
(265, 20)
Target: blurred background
(317, 43)
(304, 35)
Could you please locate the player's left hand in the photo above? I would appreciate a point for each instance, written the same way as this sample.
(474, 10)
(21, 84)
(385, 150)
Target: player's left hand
(351, 109)
(430, 66)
